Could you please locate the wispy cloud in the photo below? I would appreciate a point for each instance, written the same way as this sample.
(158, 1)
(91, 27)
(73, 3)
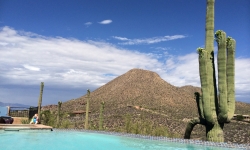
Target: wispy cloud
(162, 48)
(106, 22)
(121, 38)
(88, 23)
(127, 41)
(28, 59)
(32, 68)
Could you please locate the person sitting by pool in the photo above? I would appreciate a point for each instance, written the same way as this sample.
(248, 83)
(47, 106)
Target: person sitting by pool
(35, 119)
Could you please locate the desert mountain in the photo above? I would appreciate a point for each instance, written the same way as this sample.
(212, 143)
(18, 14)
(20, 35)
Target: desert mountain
(2, 104)
(146, 97)
(141, 88)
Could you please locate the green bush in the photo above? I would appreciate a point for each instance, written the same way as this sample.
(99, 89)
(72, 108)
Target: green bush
(92, 125)
(50, 119)
(145, 127)
(25, 121)
(160, 131)
(128, 123)
(65, 124)
(239, 118)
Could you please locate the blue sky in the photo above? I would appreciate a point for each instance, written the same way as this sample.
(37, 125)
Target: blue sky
(80, 44)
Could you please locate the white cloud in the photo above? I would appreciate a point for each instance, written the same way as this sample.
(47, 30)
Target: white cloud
(64, 61)
(27, 60)
(242, 72)
(182, 70)
(121, 38)
(106, 22)
(32, 68)
(152, 40)
(88, 23)
(3, 44)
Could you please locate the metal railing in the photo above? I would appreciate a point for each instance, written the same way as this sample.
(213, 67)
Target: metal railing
(23, 112)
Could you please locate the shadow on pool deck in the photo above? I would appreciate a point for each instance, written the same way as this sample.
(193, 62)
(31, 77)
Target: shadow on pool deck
(17, 127)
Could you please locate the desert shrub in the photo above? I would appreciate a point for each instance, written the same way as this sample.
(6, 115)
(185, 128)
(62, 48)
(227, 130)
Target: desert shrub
(145, 127)
(174, 135)
(160, 131)
(92, 125)
(128, 123)
(48, 118)
(25, 121)
(239, 118)
(72, 114)
(136, 127)
(65, 124)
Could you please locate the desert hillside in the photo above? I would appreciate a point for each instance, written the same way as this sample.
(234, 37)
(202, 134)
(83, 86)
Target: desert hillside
(145, 96)
(142, 88)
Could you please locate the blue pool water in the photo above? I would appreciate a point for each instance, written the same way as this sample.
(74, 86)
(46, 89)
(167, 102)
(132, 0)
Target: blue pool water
(75, 140)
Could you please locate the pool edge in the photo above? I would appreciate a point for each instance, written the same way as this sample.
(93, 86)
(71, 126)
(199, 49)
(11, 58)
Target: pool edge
(17, 127)
(167, 139)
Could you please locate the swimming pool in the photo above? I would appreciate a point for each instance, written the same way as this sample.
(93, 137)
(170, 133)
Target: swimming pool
(90, 140)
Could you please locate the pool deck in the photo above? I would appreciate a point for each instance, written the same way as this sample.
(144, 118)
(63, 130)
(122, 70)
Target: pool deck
(18, 127)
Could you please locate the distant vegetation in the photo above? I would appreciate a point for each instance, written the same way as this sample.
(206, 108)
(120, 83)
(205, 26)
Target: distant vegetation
(140, 102)
(49, 118)
(141, 126)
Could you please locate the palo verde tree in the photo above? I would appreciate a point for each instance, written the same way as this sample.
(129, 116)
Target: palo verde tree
(87, 111)
(214, 111)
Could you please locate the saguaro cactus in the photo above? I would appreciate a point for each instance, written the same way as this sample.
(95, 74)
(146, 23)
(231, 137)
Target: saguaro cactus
(8, 110)
(40, 100)
(214, 112)
(101, 116)
(58, 113)
(87, 111)
(226, 76)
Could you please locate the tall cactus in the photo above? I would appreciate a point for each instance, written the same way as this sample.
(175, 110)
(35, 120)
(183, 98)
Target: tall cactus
(40, 100)
(214, 112)
(58, 113)
(231, 44)
(87, 111)
(8, 110)
(101, 116)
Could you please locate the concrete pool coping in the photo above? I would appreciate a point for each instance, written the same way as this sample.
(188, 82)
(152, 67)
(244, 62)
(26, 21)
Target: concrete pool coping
(17, 127)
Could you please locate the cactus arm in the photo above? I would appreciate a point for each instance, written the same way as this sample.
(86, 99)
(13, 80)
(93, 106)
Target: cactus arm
(204, 85)
(231, 44)
(209, 45)
(191, 125)
(199, 104)
(222, 77)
